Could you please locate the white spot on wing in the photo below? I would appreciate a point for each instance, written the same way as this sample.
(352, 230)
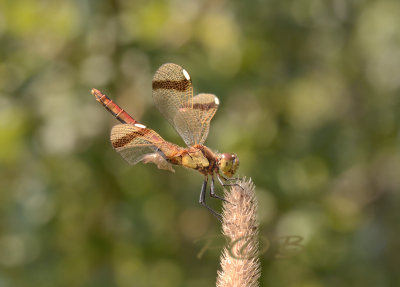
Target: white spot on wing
(216, 100)
(186, 74)
(140, 126)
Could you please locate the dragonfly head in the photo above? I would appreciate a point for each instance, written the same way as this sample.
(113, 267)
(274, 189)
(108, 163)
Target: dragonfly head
(228, 163)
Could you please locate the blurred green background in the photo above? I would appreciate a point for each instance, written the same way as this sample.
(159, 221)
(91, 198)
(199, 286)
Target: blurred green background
(310, 102)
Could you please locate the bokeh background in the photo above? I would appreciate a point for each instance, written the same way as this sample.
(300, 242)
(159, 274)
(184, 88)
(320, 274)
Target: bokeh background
(310, 102)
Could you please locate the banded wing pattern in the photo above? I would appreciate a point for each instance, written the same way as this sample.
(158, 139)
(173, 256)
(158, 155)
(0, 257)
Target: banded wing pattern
(133, 140)
(173, 96)
(189, 115)
(135, 143)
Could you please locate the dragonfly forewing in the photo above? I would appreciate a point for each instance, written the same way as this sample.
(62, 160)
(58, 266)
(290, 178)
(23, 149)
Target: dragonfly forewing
(135, 141)
(173, 96)
(197, 117)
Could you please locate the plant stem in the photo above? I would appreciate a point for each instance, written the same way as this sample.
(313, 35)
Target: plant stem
(239, 260)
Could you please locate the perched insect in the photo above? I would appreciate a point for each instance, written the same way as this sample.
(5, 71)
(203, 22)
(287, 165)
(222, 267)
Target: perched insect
(189, 115)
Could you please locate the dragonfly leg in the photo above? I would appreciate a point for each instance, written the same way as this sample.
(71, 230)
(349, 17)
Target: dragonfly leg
(229, 179)
(212, 191)
(227, 184)
(202, 200)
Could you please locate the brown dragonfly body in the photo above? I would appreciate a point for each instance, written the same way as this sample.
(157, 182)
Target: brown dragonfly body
(189, 115)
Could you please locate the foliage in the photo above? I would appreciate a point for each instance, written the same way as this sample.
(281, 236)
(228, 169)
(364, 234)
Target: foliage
(309, 96)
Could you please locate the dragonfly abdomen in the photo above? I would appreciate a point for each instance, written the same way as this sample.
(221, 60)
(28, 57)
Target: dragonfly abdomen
(113, 108)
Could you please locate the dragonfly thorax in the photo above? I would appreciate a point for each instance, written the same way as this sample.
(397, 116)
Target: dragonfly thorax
(228, 163)
(194, 158)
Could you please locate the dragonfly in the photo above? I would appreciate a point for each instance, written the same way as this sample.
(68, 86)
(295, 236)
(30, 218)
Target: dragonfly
(190, 116)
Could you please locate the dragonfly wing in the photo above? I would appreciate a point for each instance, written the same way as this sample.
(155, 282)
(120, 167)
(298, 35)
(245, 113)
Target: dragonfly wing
(196, 118)
(135, 141)
(173, 96)
(158, 160)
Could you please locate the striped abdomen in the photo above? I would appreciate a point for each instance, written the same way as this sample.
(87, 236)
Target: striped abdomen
(113, 108)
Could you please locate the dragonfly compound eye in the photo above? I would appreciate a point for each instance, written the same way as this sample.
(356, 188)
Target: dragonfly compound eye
(228, 164)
